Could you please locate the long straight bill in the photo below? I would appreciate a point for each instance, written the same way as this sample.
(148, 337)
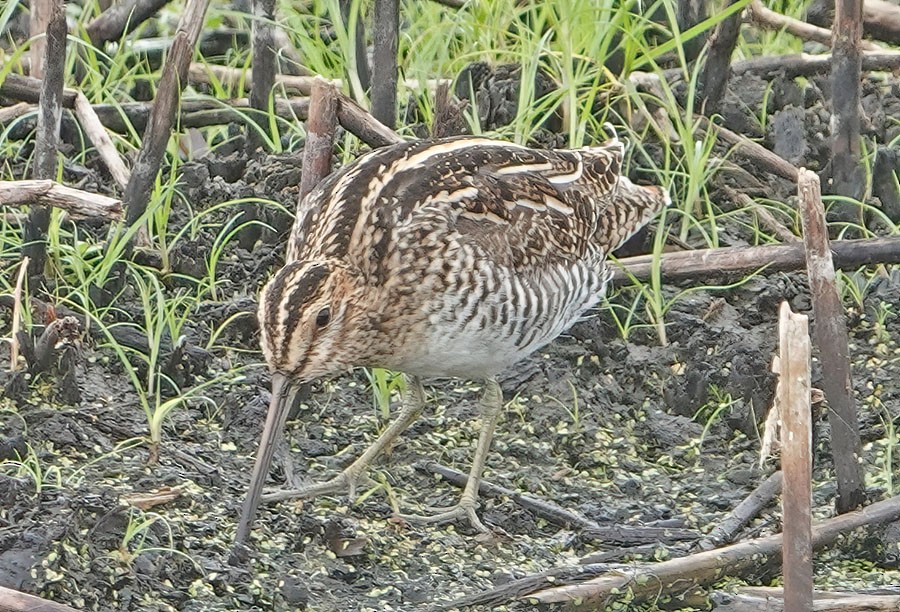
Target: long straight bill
(283, 394)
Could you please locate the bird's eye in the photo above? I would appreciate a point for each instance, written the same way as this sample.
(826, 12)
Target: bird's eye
(323, 317)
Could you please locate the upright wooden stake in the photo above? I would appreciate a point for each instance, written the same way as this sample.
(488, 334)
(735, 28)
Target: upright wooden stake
(264, 61)
(163, 113)
(846, 170)
(830, 335)
(46, 147)
(320, 130)
(384, 61)
(796, 459)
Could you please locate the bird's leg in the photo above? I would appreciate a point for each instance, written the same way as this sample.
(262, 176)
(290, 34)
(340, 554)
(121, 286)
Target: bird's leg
(413, 403)
(491, 411)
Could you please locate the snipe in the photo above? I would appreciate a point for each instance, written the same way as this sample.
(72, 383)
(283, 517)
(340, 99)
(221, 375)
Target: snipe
(448, 258)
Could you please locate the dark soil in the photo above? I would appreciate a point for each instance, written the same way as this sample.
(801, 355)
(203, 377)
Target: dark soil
(662, 435)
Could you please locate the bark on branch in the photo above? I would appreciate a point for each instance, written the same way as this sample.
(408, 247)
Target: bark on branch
(659, 579)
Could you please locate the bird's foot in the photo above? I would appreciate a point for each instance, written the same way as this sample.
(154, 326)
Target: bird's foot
(464, 509)
(345, 482)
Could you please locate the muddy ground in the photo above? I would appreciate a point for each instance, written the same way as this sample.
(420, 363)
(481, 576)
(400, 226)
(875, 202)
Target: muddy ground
(662, 435)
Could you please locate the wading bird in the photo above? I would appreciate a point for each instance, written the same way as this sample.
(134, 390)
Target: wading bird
(448, 258)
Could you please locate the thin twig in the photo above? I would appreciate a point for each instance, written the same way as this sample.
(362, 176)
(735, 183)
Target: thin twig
(544, 509)
(768, 18)
(95, 131)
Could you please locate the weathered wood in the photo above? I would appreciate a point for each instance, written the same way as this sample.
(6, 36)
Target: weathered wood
(40, 13)
(264, 69)
(320, 131)
(363, 125)
(766, 218)
(677, 575)
(830, 334)
(79, 204)
(771, 599)
(796, 458)
(159, 128)
(881, 18)
(8, 114)
(743, 513)
(95, 131)
(767, 18)
(384, 61)
(17, 601)
(716, 67)
(847, 173)
(734, 261)
(803, 64)
(46, 144)
(763, 158)
(121, 18)
(351, 116)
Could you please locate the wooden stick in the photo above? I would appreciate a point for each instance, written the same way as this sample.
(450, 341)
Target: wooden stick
(803, 64)
(46, 146)
(743, 513)
(79, 204)
(159, 128)
(384, 61)
(302, 84)
(847, 172)
(40, 13)
(720, 48)
(771, 599)
(264, 67)
(121, 18)
(678, 575)
(767, 18)
(758, 154)
(102, 142)
(832, 341)
(351, 116)
(762, 213)
(796, 458)
(364, 126)
(17, 601)
(881, 19)
(733, 261)
(320, 129)
(8, 114)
